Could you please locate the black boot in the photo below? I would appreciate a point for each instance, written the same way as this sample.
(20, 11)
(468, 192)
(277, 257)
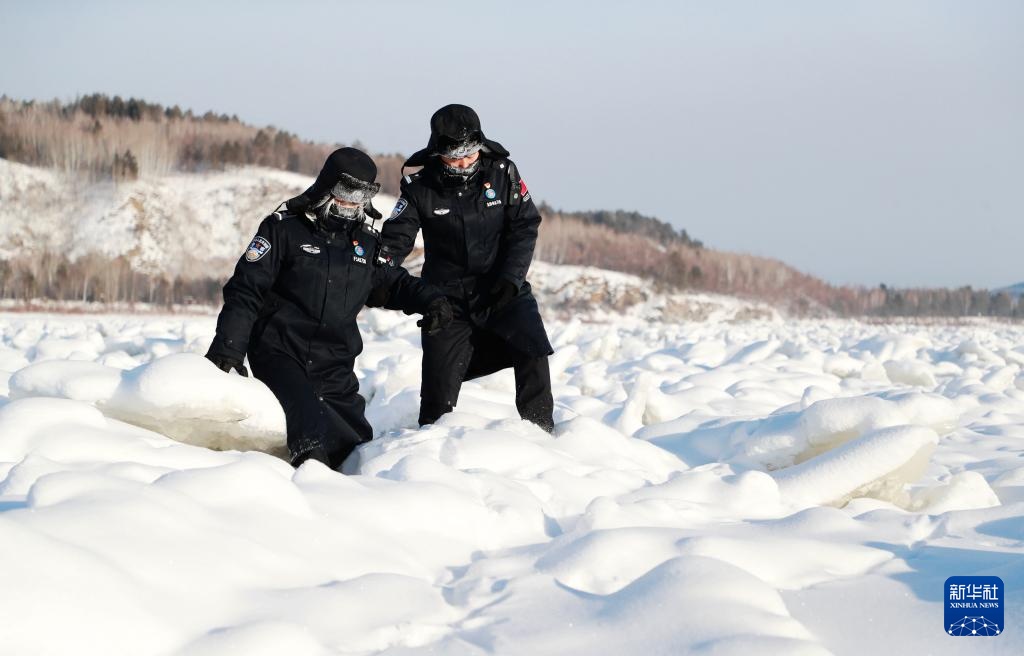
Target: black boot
(314, 452)
(533, 391)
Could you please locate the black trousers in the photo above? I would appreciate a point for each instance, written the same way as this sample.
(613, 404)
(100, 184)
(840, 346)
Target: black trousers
(464, 351)
(322, 409)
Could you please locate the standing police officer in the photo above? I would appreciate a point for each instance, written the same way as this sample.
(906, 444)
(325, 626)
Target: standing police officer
(479, 230)
(292, 302)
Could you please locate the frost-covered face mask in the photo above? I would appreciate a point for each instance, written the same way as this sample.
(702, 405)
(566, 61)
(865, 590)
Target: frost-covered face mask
(450, 151)
(329, 209)
(459, 172)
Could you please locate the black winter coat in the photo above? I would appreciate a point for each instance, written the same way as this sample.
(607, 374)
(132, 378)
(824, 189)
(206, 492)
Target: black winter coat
(474, 234)
(298, 288)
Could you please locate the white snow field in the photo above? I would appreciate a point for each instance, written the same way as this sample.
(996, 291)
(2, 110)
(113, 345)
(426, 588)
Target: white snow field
(722, 488)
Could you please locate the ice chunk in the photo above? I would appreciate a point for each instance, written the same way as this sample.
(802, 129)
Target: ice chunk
(964, 491)
(183, 396)
(878, 464)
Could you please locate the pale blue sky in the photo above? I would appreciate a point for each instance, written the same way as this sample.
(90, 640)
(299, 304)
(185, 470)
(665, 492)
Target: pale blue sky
(863, 142)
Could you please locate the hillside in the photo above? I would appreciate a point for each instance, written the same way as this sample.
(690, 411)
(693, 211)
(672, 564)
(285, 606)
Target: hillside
(124, 200)
(176, 238)
(173, 239)
(99, 138)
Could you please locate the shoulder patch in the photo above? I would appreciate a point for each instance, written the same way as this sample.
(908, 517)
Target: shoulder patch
(399, 207)
(257, 249)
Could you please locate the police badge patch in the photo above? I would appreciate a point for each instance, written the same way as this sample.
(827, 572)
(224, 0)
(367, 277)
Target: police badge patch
(257, 249)
(399, 207)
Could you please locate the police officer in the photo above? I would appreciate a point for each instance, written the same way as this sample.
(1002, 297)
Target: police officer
(479, 230)
(292, 302)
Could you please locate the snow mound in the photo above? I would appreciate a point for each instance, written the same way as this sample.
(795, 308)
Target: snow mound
(211, 409)
(710, 488)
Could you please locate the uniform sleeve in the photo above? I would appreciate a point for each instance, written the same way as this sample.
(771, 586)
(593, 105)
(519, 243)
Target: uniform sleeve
(399, 232)
(522, 220)
(404, 291)
(254, 275)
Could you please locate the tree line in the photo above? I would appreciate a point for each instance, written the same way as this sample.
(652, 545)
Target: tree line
(564, 239)
(685, 264)
(99, 137)
(623, 221)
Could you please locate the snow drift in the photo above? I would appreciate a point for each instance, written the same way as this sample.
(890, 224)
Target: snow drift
(710, 488)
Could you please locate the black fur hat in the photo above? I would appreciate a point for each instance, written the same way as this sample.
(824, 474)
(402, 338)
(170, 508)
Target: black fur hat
(454, 128)
(348, 173)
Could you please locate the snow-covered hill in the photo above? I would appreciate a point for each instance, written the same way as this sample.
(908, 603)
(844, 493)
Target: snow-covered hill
(180, 225)
(197, 225)
(756, 488)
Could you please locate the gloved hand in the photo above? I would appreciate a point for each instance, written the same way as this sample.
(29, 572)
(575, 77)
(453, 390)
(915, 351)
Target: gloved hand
(378, 296)
(437, 316)
(502, 293)
(226, 364)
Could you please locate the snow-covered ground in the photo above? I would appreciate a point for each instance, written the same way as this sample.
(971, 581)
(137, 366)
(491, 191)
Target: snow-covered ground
(711, 488)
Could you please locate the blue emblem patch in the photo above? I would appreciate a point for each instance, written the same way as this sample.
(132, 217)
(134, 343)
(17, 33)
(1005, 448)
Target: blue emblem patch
(490, 193)
(257, 249)
(360, 251)
(974, 606)
(399, 207)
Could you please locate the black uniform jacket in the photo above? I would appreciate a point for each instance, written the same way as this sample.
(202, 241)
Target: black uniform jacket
(473, 234)
(298, 288)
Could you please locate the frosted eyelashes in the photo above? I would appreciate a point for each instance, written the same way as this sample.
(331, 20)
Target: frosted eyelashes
(353, 190)
(460, 149)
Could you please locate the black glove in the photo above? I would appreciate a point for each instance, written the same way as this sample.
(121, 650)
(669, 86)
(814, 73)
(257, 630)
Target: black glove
(437, 316)
(378, 297)
(227, 363)
(502, 293)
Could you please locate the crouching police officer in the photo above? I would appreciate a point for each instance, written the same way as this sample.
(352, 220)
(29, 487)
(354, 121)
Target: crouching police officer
(479, 230)
(292, 302)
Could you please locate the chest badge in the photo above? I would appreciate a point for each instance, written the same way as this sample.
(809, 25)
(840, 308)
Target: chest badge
(490, 193)
(311, 249)
(441, 211)
(360, 253)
